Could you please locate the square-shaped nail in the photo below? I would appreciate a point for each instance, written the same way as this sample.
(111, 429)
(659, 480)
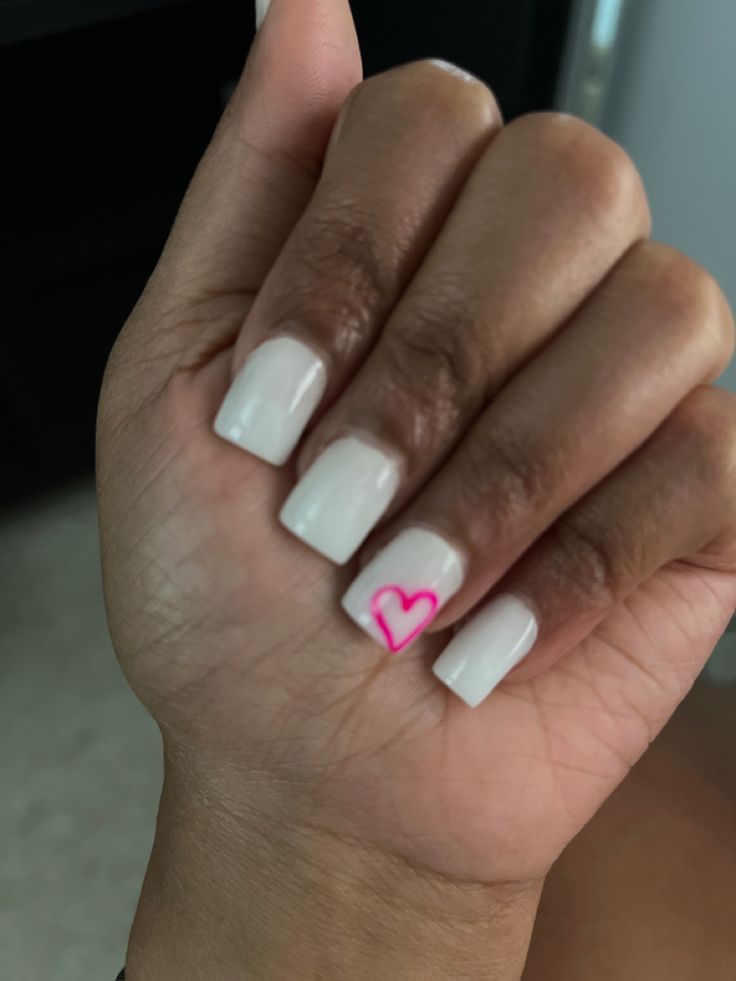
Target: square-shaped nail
(341, 497)
(401, 590)
(272, 399)
(487, 648)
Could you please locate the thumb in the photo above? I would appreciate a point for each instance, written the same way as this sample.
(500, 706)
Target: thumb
(265, 157)
(304, 63)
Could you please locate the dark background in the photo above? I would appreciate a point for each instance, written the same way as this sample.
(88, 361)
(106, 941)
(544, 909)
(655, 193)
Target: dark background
(107, 106)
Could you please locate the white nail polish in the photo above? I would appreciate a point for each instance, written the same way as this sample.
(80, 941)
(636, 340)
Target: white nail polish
(401, 590)
(455, 70)
(261, 11)
(341, 497)
(487, 648)
(272, 399)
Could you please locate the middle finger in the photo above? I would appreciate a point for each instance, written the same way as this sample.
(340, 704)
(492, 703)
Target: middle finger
(550, 207)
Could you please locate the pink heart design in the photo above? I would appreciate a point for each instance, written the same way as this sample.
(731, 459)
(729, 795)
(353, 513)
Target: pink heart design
(399, 623)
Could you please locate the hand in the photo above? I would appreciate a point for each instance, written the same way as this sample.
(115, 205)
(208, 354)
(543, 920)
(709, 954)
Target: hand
(526, 378)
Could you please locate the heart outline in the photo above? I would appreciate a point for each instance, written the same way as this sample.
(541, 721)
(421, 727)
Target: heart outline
(407, 603)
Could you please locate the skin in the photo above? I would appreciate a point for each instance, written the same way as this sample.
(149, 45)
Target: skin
(542, 373)
(644, 893)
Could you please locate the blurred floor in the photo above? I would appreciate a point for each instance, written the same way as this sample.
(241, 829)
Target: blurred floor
(80, 768)
(646, 891)
(80, 765)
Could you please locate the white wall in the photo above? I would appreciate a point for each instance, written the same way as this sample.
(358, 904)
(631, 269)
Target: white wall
(662, 81)
(671, 102)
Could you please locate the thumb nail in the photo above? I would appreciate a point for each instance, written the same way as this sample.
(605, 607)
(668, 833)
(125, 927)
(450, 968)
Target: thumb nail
(261, 11)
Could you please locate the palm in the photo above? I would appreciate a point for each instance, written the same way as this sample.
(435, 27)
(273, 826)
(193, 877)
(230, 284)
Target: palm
(231, 633)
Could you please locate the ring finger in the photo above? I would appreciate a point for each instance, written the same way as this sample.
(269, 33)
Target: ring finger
(606, 546)
(655, 330)
(549, 208)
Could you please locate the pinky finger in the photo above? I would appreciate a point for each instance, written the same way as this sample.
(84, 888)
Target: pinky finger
(673, 499)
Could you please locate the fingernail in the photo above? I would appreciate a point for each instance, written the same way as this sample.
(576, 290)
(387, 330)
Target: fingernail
(485, 650)
(272, 399)
(341, 497)
(261, 11)
(401, 590)
(452, 69)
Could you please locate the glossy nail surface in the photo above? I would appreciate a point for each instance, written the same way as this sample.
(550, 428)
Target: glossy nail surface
(341, 497)
(261, 11)
(487, 648)
(401, 590)
(272, 399)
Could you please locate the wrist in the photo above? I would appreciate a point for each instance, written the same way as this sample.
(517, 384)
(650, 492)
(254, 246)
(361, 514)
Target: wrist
(234, 893)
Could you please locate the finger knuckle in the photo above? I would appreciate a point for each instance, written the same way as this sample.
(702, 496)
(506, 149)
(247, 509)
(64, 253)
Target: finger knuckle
(705, 426)
(595, 171)
(588, 560)
(430, 369)
(687, 298)
(434, 92)
(339, 276)
(502, 467)
(457, 95)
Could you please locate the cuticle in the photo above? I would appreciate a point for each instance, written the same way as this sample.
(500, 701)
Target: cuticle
(526, 599)
(364, 435)
(449, 539)
(296, 335)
